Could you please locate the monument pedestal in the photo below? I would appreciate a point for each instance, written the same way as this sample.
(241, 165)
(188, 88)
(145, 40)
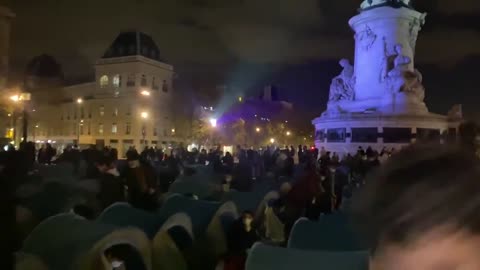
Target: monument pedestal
(378, 102)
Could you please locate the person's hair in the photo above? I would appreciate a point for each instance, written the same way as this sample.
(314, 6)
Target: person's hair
(420, 189)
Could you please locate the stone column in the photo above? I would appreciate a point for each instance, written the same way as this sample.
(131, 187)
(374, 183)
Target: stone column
(5, 17)
(377, 31)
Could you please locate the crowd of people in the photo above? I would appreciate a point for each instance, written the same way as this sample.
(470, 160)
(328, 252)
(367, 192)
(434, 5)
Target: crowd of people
(311, 181)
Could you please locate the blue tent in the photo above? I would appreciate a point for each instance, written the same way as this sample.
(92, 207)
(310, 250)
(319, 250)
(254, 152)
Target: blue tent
(124, 215)
(330, 233)
(263, 257)
(200, 212)
(67, 241)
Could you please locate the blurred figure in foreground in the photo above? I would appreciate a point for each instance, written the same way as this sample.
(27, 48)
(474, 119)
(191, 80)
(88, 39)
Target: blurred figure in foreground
(420, 211)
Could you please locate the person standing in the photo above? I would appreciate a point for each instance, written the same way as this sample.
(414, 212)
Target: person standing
(141, 183)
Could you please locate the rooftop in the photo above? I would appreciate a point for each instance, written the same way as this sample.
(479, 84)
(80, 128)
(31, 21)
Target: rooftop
(133, 43)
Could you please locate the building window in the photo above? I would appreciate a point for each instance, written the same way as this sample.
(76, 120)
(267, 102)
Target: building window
(104, 81)
(114, 128)
(320, 135)
(88, 129)
(128, 129)
(75, 127)
(74, 114)
(428, 135)
(129, 111)
(100, 129)
(144, 80)
(131, 80)
(117, 81)
(102, 110)
(397, 135)
(154, 84)
(336, 135)
(144, 130)
(81, 129)
(165, 133)
(115, 112)
(82, 112)
(364, 135)
(155, 131)
(165, 86)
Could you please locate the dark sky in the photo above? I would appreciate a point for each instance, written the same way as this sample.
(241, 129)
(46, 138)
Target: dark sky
(294, 44)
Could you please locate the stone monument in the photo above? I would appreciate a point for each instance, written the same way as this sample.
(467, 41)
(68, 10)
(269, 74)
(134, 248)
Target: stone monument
(379, 101)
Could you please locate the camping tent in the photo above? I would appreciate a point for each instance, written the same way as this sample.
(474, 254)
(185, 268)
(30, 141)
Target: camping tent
(67, 241)
(123, 215)
(172, 239)
(330, 233)
(268, 257)
(24, 261)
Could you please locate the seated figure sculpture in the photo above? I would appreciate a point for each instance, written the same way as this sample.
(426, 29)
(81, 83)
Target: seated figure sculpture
(400, 78)
(342, 87)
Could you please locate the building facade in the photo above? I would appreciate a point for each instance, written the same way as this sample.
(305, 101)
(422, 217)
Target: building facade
(128, 104)
(6, 17)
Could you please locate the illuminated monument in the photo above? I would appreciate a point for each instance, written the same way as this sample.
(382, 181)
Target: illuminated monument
(379, 101)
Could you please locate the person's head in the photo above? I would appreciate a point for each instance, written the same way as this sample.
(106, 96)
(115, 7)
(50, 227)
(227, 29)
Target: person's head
(247, 219)
(420, 211)
(104, 164)
(344, 62)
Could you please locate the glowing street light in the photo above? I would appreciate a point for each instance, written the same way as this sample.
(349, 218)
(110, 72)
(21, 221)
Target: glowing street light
(257, 129)
(144, 115)
(288, 133)
(213, 122)
(145, 93)
(15, 98)
(79, 100)
(272, 140)
(173, 130)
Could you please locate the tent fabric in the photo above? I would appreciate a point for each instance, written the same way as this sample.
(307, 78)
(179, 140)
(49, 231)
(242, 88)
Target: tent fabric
(330, 233)
(24, 261)
(268, 257)
(272, 195)
(200, 212)
(166, 252)
(67, 241)
(179, 219)
(124, 215)
(275, 229)
(219, 226)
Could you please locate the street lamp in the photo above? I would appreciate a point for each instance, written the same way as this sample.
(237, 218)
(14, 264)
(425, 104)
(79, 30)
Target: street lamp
(272, 140)
(145, 93)
(257, 129)
(15, 98)
(173, 130)
(288, 133)
(79, 102)
(213, 122)
(144, 116)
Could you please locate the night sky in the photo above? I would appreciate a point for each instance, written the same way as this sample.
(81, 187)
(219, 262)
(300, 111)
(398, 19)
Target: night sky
(293, 44)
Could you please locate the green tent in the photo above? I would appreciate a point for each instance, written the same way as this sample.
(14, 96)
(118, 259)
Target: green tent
(268, 257)
(200, 212)
(124, 215)
(67, 241)
(330, 233)
(175, 235)
(24, 261)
